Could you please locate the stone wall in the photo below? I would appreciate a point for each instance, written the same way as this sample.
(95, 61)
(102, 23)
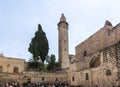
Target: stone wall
(48, 77)
(10, 77)
(105, 74)
(96, 76)
(8, 64)
(72, 65)
(34, 77)
(105, 37)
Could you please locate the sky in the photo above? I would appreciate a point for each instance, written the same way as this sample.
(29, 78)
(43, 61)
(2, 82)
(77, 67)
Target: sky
(19, 20)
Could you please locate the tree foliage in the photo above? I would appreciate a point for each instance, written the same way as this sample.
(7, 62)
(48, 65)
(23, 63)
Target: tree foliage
(32, 65)
(39, 46)
(52, 65)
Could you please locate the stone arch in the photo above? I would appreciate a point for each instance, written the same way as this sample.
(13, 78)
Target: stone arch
(0, 69)
(15, 70)
(95, 62)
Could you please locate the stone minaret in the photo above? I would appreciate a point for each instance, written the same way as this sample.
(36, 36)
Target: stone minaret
(63, 43)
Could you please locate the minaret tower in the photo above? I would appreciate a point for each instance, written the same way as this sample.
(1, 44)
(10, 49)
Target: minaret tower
(63, 43)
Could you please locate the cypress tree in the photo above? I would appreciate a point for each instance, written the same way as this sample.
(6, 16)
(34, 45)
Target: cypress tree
(39, 46)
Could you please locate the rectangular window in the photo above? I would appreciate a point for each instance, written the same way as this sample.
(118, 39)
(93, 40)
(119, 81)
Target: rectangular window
(87, 76)
(73, 78)
(42, 78)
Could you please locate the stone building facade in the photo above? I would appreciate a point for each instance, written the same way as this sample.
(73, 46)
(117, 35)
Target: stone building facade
(15, 70)
(11, 65)
(96, 60)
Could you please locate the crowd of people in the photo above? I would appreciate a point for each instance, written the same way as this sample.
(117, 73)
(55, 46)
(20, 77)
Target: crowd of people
(29, 84)
(58, 84)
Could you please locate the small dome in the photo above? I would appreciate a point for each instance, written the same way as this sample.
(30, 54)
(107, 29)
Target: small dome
(63, 18)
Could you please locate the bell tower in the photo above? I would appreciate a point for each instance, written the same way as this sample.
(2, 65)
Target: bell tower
(63, 43)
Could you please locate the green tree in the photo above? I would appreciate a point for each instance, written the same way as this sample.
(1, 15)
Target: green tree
(32, 64)
(39, 46)
(51, 62)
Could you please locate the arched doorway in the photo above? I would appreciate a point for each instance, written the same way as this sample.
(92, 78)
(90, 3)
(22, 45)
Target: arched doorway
(15, 69)
(0, 69)
(95, 62)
